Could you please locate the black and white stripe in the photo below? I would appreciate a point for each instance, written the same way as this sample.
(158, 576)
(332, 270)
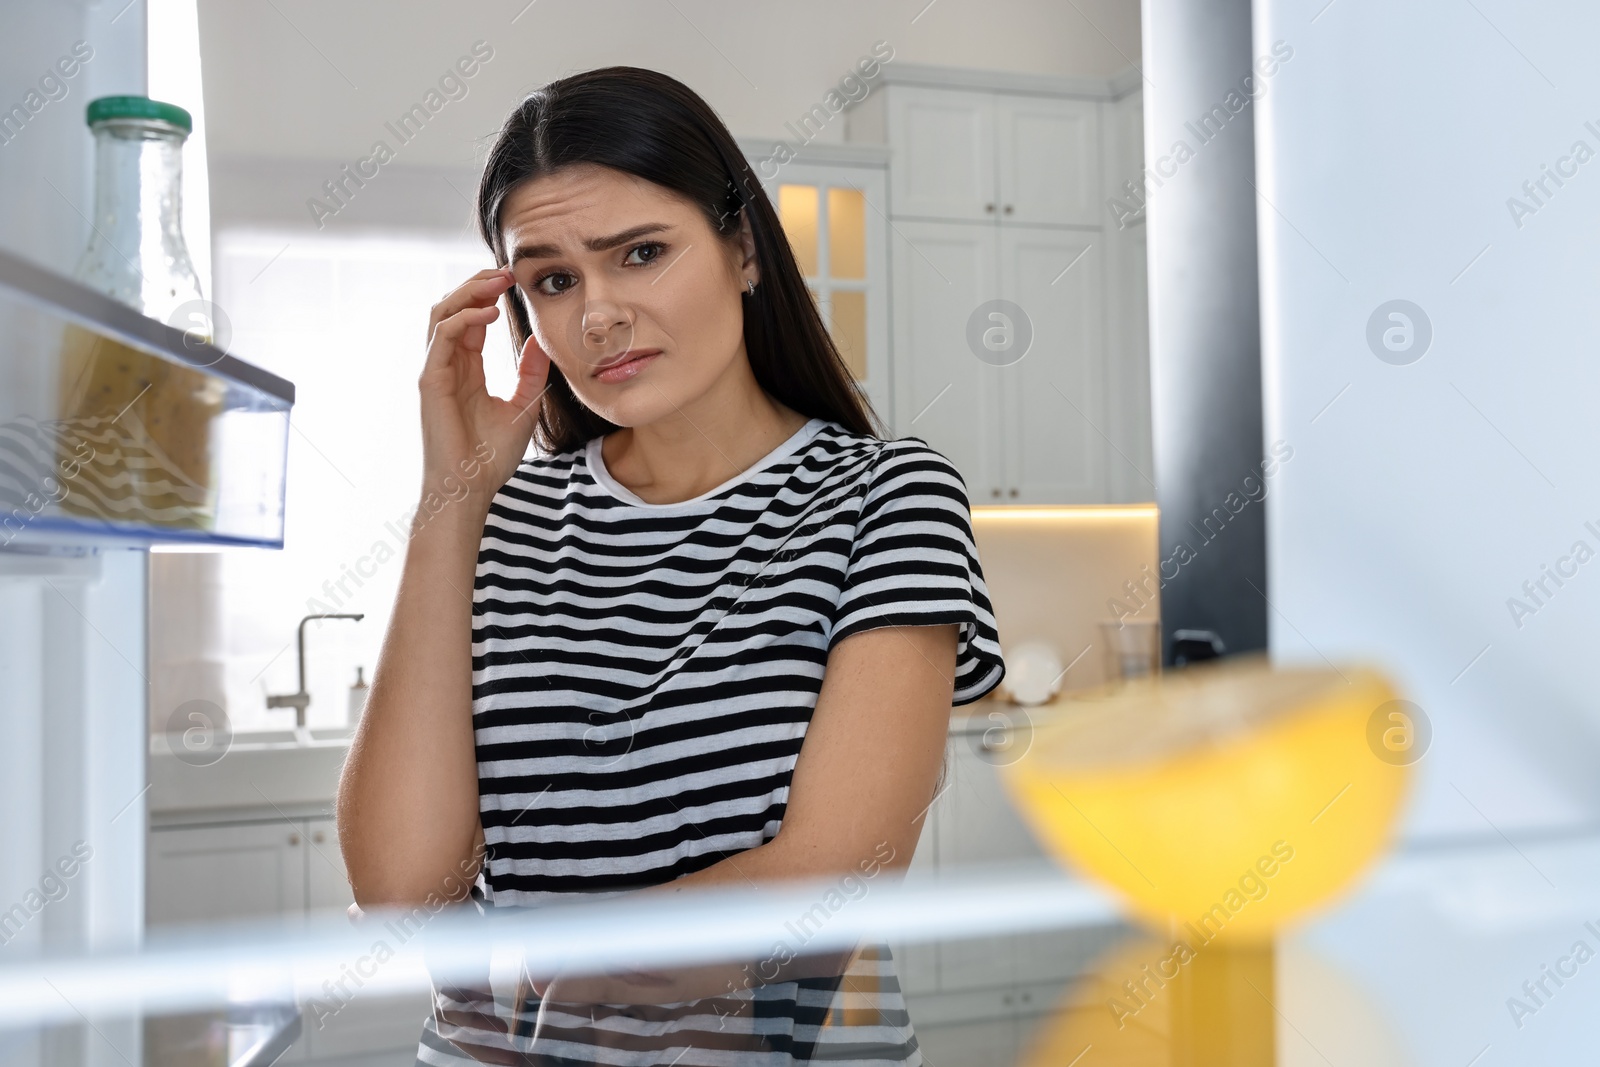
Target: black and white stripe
(643, 676)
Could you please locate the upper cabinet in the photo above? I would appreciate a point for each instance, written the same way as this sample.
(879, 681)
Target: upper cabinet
(943, 147)
(979, 156)
(1049, 155)
(1017, 291)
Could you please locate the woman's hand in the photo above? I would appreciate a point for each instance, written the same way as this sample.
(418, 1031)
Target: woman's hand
(409, 823)
(472, 441)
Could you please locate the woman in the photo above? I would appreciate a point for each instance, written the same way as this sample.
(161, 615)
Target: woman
(710, 635)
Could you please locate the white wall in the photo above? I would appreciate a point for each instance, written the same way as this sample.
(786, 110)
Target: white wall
(308, 79)
(1420, 497)
(295, 90)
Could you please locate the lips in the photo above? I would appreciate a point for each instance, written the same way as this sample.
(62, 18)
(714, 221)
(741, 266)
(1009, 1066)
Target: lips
(625, 364)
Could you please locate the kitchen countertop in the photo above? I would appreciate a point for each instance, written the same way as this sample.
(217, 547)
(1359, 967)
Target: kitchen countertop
(995, 710)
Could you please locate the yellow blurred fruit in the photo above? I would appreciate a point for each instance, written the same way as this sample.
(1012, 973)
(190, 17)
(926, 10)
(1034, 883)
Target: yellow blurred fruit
(1220, 800)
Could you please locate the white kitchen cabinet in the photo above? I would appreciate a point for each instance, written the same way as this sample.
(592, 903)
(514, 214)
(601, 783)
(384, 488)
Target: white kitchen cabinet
(980, 827)
(366, 1022)
(998, 194)
(254, 867)
(1010, 978)
(1050, 155)
(943, 394)
(982, 156)
(327, 884)
(245, 870)
(1053, 400)
(977, 828)
(1023, 432)
(1049, 160)
(967, 1041)
(942, 146)
(217, 873)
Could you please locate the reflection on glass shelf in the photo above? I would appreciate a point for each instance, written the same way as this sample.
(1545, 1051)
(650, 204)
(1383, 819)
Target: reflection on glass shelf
(115, 425)
(1430, 962)
(241, 1036)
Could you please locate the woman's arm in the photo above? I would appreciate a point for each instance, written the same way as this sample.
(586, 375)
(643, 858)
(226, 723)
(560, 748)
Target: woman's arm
(866, 773)
(862, 787)
(408, 796)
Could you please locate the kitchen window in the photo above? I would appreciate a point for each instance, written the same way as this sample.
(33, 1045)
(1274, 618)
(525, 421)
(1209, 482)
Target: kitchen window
(345, 319)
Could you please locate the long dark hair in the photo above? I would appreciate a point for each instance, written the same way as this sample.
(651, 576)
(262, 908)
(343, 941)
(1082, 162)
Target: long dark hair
(652, 126)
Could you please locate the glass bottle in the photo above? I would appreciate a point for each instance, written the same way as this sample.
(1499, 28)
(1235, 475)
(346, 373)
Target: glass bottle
(137, 254)
(146, 420)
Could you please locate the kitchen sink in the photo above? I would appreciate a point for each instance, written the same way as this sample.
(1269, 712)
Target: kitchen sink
(267, 770)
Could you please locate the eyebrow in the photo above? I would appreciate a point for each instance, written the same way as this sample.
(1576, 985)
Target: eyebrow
(593, 244)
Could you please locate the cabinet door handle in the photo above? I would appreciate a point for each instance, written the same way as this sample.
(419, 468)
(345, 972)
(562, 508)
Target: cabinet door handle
(989, 208)
(318, 838)
(1013, 490)
(995, 491)
(294, 839)
(1009, 209)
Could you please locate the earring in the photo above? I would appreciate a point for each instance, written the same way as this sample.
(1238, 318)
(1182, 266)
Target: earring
(752, 286)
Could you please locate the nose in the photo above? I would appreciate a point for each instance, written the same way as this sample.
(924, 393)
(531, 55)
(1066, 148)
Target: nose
(604, 329)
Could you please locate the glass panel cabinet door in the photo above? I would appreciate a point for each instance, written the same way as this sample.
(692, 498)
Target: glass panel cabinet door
(797, 207)
(847, 233)
(834, 218)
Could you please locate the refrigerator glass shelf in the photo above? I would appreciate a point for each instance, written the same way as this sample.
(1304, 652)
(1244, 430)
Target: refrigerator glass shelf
(115, 427)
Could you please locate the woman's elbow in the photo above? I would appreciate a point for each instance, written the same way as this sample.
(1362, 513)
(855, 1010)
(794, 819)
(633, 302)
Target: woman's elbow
(405, 890)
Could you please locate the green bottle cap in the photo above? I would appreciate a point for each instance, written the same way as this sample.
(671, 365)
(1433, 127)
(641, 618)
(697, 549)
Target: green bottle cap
(138, 107)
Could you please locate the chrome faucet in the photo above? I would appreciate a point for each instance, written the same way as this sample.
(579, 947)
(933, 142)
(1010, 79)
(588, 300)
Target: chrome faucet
(299, 700)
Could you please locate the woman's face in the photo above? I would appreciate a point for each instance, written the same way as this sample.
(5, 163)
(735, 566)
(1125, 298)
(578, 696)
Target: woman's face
(633, 296)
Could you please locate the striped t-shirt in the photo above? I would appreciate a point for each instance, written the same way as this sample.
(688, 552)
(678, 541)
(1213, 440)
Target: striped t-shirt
(642, 679)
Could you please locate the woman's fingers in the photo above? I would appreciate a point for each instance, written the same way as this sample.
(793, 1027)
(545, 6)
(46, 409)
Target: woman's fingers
(449, 335)
(482, 288)
(533, 371)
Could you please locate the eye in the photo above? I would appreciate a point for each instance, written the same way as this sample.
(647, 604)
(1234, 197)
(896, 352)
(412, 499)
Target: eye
(538, 283)
(655, 249)
(647, 252)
